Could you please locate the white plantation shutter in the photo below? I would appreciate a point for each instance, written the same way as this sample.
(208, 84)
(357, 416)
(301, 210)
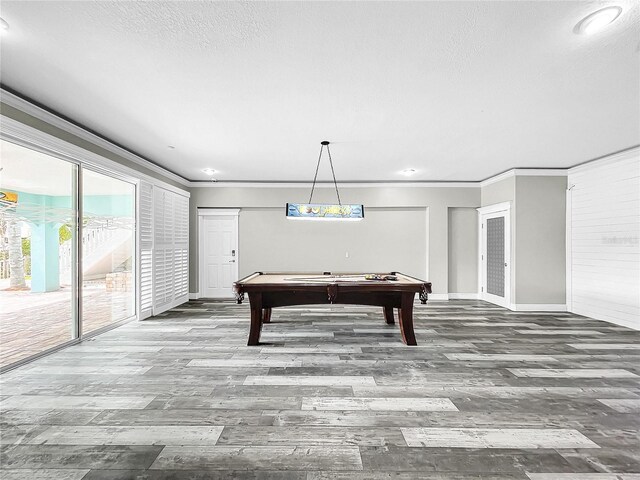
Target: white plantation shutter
(181, 243)
(170, 250)
(146, 249)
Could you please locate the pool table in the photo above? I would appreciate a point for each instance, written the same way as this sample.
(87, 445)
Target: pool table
(270, 290)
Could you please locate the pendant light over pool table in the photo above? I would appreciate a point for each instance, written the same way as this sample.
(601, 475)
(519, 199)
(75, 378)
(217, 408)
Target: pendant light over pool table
(324, 211)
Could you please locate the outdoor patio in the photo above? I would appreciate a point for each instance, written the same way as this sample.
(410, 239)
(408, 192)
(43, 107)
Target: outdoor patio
(33, 322)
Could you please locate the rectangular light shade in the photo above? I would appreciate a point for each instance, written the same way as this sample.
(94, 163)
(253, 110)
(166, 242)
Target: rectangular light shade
(321, 211)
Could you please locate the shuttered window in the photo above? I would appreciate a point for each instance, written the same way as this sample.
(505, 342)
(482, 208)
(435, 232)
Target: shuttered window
(170, 250)
(146, 249)
(164, 249)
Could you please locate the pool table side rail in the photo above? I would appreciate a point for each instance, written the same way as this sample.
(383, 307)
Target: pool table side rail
(306, 280)
(331, 288)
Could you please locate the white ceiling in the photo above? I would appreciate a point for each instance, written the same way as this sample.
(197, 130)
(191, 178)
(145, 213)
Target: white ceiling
(458, 91)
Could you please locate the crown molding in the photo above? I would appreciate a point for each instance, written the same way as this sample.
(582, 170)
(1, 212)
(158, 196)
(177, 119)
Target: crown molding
(525, 172)
(35, 111)
(219, 184)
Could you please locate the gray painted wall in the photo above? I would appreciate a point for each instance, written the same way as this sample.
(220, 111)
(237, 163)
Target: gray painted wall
(540, 253)
(463, 250)
(538, 235)
(270, 242)
(498, 192)
(436, 200)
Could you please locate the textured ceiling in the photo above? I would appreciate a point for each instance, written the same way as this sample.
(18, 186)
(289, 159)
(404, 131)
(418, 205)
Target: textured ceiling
(456, 90)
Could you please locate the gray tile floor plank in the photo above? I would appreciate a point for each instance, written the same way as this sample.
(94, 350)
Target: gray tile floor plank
(44, 474)
(622, 405)
(138, 435)
(605, 346)
(79, 456)
(500, 356)
(584, 476)
(294, 435)
(317, 380)
(496, 438)
(368, 475)
(182, 417)
(380, 404)
(495, 392)
(261, 458)
(90, 402)
(193, 475)
(463, 461)
(573, 372)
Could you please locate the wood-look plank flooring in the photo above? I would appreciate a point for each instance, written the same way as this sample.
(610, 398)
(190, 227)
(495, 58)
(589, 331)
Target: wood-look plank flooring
(331, 394)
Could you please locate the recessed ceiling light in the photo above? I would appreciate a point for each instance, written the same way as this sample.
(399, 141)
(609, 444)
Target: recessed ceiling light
(597, 21)
(4, 26)
(209, 171)
(408, 172)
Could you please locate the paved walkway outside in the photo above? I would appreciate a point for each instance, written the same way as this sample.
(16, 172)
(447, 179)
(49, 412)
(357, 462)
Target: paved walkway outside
(33, 322)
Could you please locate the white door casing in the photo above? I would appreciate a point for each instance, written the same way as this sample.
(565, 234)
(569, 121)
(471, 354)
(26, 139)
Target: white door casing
(218, 252)
(495, 286)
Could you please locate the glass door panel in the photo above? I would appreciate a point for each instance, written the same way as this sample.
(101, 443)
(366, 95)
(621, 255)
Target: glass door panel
(37, 252)
(108, 250)
(495, 256)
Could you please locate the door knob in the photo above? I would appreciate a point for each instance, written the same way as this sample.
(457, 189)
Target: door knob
(232, 261)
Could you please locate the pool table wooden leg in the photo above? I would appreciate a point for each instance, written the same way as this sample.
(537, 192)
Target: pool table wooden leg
(388, 315)
(266, 315)
(405, 314)
(255, 300)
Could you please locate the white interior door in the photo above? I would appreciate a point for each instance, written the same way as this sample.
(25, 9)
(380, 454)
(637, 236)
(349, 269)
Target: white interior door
(218, 254)
(495, 255)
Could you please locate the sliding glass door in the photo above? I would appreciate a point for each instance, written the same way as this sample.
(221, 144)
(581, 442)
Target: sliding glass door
(37, 252)
(108, 250)
(47, 296)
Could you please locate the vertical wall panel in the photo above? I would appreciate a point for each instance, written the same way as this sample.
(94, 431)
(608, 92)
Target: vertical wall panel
(604, 232)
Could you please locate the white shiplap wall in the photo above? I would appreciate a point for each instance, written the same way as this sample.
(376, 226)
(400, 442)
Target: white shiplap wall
(603, 229)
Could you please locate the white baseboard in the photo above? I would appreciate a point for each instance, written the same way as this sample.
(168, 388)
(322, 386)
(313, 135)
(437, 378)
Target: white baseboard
(538, 307)
(194, 296)
(464, 296)
(438, 296)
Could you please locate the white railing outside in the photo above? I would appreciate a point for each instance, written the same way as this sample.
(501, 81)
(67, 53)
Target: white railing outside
(92, 240)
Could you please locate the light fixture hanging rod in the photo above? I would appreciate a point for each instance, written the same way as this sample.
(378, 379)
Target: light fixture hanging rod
(334, 175)
(325, 143)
